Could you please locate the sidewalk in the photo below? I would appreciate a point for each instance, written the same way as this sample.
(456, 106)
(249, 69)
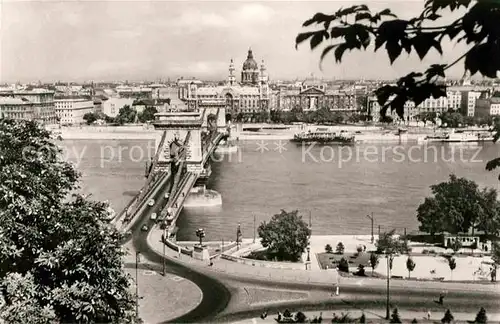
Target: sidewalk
(324, 277)
(377, 316)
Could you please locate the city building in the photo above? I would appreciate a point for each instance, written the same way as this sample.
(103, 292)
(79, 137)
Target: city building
(485, 107)
(410, 111)
(112, 106)
(250, 95)
(36, 104)
(71, 109)
(469, 98)
(313, 94)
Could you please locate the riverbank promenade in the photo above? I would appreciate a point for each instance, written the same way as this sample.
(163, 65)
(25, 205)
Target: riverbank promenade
(331, 277)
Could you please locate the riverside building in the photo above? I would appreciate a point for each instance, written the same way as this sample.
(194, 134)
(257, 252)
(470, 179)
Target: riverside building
(71, 109)
(36, 104)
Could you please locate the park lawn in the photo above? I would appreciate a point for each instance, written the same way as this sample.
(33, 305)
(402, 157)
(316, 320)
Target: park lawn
(331, 260)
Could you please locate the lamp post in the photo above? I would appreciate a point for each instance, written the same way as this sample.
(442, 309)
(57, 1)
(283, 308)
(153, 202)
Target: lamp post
(200, 232)
(371, 218)
(308, 261)
(164, 240)
(389, 264)
(137, 261)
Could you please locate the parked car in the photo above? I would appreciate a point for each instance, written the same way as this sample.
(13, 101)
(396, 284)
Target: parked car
(167, 195)
(151, 202)
(154, 216)
(144, 228)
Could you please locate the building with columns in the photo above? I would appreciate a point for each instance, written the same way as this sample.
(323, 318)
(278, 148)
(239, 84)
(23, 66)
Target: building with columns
(35, 104)
(312, 94)
(250, 95)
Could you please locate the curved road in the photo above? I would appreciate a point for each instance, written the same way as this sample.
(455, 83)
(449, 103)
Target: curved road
(209, 306)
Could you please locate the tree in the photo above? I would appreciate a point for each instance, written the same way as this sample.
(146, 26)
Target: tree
(285, 236)
(395, 316)
(125, 115)
(448, 317)
(374, 258)
(60, 258)
(410, 265)
(340, 248)
(357, 26)
(495, 252)
(90, 117)
(362, 319)
(343, 265)
(456, 245)
(452, 263)
(390, 245)
(481, 316)
(148, 114)
(458, 205)
(328, 248)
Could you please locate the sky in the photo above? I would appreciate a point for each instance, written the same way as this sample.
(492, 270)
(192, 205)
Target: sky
(149, 40)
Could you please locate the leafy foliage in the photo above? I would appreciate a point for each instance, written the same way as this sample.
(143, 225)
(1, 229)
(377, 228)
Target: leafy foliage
(285, 236)
(90, 117)
(328, 248)
(148, 114)
(481, 316)
(410, 265)
(343, 265)
(60, 258)
(457, 206)
(395, 316)
(344, 318)
(390, 245)
(374, 259)
(126, 114)
(495, 252)
(456, 245)
(340, 248)
(448, 317)
(358, 28)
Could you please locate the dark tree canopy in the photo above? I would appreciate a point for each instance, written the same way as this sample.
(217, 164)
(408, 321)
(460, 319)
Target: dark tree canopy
(60, 258)
(357, 28)
(285, 236)
(458, 205)
(126, 114)
(148, 114)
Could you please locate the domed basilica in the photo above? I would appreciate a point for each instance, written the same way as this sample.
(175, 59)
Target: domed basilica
(249, 96)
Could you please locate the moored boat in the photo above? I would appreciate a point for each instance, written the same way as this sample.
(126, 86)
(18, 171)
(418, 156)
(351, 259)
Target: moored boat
(324, 136)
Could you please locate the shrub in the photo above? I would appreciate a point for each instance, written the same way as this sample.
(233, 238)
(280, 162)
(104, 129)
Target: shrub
(361, 271)
(362, 319)
(345, 318)
(425, 251)
(481, 316)
(328, 248)
(374, 260)
(340, 248)
(432, 251)
(414, 321)
(448, 317)
(343, 265)
(300, 317)
(359, 248)
(395, 316)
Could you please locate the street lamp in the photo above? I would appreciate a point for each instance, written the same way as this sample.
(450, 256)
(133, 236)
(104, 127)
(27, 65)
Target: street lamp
(371, 218)
(137, 261)
(201, 234)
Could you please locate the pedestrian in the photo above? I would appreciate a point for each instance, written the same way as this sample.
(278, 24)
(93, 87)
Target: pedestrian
(441, 299)
(279, 316)
(429, 315)
(364, 248)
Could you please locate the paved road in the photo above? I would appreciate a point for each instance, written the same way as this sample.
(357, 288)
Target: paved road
(209, 306)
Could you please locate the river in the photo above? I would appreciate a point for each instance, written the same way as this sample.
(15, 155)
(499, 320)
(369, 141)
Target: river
(338, 186)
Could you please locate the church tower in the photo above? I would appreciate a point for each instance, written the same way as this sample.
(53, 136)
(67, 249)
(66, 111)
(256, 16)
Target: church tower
(250, 72)
(263, 76)
(231, 78)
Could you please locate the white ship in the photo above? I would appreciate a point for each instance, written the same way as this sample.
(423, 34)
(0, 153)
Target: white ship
(461, 136)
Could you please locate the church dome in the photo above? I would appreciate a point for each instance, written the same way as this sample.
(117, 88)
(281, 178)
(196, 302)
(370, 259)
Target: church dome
(250, 63)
